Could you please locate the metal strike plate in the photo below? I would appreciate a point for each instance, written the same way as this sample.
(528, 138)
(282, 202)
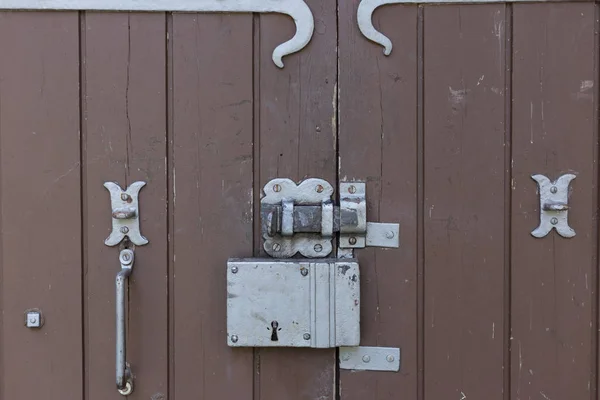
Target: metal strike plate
(293, 303)
(370, 358)
(554, 206)
(125, 214)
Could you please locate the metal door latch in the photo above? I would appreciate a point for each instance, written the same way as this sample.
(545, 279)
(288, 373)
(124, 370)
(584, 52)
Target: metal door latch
(302, 218)
(312, 302)
(554, 206)
(125, 223)
(125, 214)
(293, 303)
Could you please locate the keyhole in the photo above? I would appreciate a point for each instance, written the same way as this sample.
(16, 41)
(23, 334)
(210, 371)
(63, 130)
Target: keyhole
(274, 325)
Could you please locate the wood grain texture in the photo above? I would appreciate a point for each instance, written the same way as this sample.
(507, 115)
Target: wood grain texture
(297, 140)
(211, 178)
(378, 144)
(124, 89)
(40, 205)
(464, 201)
(554, 129)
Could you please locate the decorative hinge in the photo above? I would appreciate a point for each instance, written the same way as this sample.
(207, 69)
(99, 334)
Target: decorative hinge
(125, 214)
(554, 206)
(301, 218)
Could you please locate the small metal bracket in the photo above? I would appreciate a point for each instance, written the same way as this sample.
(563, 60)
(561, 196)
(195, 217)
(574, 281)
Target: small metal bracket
(364, 358)
(34, 318)
(125, 214)
(355, 231)
(301, 218)
(554, 206)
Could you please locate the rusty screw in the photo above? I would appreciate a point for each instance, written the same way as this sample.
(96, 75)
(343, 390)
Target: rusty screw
(276, 247)
(352, 240)
(124, 229)
(319, 188)
(277, 187)
(125, 197)
(352, 189)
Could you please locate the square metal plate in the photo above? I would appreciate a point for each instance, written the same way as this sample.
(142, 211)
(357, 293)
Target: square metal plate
(293, 303)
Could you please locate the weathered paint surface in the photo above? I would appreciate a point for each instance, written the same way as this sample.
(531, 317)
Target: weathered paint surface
(447, 131)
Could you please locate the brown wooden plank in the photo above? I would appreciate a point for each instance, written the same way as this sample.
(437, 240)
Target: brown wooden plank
(553, 133)
(124, 89)
(211, 133)
(40, 202)
(464, 221)
(297, 140)
(378, 144)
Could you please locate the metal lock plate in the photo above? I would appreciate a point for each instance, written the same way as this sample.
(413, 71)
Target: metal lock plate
(293, 303)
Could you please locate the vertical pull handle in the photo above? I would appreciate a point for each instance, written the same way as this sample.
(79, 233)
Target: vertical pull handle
(124, 376)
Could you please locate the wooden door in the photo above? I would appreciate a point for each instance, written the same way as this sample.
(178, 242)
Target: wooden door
(446, 131)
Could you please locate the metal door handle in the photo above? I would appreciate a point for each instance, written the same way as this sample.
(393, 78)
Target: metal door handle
(124, 376)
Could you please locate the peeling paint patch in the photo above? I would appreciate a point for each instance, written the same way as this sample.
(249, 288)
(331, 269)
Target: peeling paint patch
(458, 96)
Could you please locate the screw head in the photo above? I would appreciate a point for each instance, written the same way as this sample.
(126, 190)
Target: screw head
(389, 235)
(318, 248)
(125, 197)
(126, 256)
(553, 189)
(306, 336)
(124, 229)
(234, 338)
(366, 358)
(277, 187)
(352, 240)
(303, 271)
(346, 357)
(352, 189)
(234, 270)
(319, 188)
(554, 221)
(276, 247)
(390, 358)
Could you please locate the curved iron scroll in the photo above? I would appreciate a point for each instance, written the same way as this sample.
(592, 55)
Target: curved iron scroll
(297, 9)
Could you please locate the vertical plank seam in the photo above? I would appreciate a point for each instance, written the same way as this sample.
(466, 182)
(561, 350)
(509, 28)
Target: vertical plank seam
(170, 181)
(508, 51)
(594, 277)
(83, 202)
(420, 204)
(256, 189)
(2, 291)
(337, 393)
